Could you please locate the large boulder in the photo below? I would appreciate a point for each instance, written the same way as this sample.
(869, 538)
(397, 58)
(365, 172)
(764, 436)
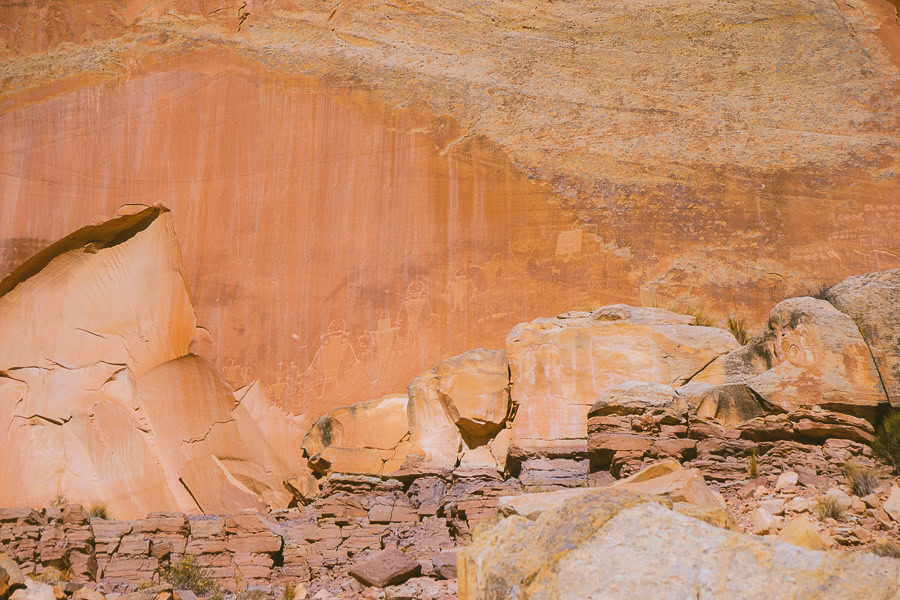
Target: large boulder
(873, 302)
(456, 413)
(434, 440)
(368, 438)
(388, 567)
(619, 544)
(809, 354)
(474, 388)
(561, 366)
(100, 398)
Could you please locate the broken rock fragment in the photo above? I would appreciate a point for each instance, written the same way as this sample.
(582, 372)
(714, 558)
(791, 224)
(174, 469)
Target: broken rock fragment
(388, 567)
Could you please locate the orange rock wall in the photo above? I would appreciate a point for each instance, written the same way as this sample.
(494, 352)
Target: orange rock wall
(335, 251)
(344, 232)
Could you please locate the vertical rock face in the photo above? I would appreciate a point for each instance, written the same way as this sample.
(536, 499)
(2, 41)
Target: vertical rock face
(100, 394)
(560, 366)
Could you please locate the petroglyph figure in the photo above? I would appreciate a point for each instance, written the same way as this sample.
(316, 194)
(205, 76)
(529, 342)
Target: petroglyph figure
(415, 304)
(332, 358)
(459, 291)
(384, 336)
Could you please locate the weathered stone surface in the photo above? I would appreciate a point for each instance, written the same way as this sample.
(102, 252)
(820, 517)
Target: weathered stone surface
(666, 480)
(622, 545)
(871, 300)
(728, 404)
(388, 567)
(366, 438)
(559, 367)
(810, 354)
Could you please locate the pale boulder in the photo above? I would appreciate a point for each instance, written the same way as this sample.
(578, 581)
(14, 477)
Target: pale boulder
(786, 480)
(107, 403)
(560, 366)
(87, 325)
(620, 545)
(34, 590)
(762, 522)
(892, 505)
(215, 457)
(683, 488)
(368, 438)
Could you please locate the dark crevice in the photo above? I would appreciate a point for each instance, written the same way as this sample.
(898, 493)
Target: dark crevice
(181, 481)
(96, 237)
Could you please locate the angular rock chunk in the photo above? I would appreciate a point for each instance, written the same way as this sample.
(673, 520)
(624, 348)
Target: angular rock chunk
(800, 532)
(14, 577)
(873, 302)
(388, 567)
(368, 438)
(729, 405)
(561, 366)
(667, 480)
(620, 545)
(445, 563)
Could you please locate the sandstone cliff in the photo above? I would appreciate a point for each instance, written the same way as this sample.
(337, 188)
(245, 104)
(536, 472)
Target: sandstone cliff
(480, 162)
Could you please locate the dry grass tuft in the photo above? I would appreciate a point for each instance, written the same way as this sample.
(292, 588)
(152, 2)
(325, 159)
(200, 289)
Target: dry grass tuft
(829, 508)
(862, 480)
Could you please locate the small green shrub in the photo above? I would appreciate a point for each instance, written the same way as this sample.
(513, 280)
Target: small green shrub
(53, 576)
(862, 480)
(99, 511)
(887, 440)
(704, 319)
(738, 328)
(829, 508)
(186, 574)
(884, 548)
(753, 466)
